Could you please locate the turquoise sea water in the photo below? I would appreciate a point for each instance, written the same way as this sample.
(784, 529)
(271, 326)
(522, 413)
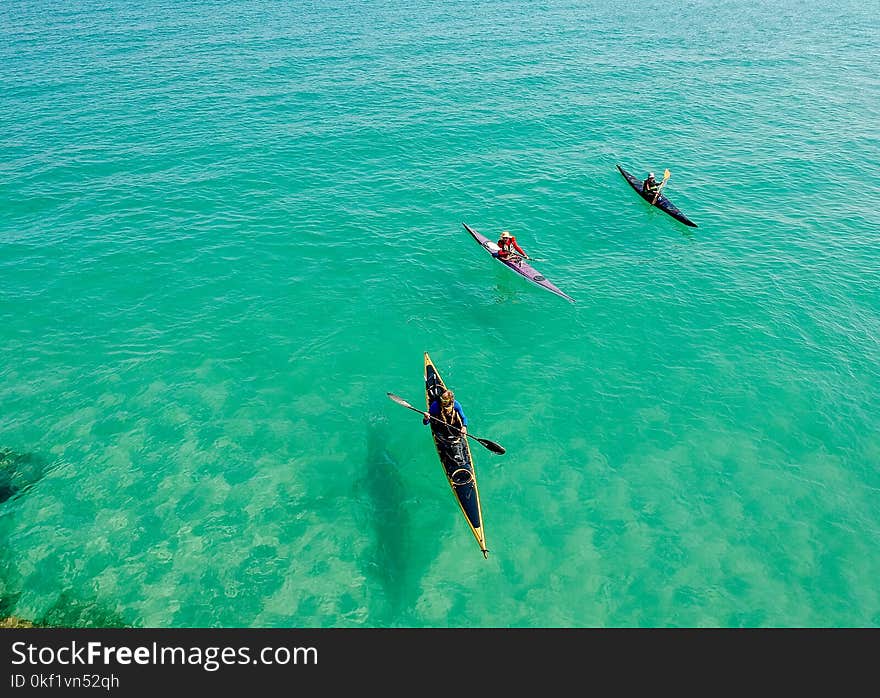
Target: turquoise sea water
(228, 229)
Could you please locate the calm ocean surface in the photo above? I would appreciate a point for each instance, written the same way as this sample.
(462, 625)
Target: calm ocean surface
(228, 229)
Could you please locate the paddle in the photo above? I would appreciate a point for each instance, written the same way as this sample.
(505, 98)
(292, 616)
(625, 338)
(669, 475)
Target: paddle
(666, 175)
(491, 445)
(513, 257)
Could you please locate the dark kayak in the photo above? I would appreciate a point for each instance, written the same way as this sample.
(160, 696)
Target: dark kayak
(519, 265)
(455, 456)
(662, 203)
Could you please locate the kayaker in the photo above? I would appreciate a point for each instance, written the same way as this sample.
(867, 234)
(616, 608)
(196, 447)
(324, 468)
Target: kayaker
(507, 245)
(449, 411)
(650, 185)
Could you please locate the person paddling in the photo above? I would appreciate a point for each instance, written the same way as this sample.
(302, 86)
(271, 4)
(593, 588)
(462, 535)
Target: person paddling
(448, 410)
(507, 247)
(650, 186)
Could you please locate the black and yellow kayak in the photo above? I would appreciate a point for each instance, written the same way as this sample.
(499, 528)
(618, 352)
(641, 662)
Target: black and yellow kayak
(455, 456)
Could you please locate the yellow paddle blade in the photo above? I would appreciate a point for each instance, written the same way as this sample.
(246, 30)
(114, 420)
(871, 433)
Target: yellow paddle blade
(666, 174)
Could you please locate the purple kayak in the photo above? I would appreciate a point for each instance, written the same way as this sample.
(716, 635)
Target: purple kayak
(520, 266)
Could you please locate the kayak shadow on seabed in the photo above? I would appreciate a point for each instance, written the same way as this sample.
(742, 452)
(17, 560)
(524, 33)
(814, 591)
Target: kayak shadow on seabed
(506, 290)
(504, 296)
(391, 563)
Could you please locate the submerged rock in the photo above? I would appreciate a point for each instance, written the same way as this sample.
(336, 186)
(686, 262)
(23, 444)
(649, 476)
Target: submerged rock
(70, 611)
(7, 603)
(18, 472)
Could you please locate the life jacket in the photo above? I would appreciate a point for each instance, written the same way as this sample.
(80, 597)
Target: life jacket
(506, 246)
(452, 419)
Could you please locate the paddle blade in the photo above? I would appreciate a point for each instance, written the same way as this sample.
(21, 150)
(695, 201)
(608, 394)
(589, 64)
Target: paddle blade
(492, 446)
(399, 400)
(666, 174)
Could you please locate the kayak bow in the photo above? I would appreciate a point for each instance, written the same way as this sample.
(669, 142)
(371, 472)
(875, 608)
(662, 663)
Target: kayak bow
(662, 202)
(455, 456)
(520, 266)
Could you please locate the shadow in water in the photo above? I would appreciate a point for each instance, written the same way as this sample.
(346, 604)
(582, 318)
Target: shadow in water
(18, 472)
(392, 559)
